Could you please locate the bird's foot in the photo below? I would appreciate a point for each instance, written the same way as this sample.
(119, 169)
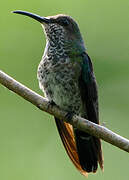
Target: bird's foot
(50, 104)
(69, 117)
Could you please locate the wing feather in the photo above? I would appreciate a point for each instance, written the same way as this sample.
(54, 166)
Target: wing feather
(89, 92)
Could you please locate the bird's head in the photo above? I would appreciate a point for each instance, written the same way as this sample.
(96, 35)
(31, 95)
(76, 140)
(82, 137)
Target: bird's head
(60, 30)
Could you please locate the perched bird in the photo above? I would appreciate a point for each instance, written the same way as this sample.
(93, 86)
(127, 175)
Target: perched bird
(66, 77)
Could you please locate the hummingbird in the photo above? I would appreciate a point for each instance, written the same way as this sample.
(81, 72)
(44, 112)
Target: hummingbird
(67, 78)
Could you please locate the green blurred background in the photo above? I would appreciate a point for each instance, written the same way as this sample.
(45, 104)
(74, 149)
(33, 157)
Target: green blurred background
(30, 147)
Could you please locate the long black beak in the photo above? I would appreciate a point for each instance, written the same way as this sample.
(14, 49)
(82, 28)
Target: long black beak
(34, 16)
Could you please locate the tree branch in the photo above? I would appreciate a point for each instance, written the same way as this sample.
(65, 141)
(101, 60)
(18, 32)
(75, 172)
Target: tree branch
(78, 122)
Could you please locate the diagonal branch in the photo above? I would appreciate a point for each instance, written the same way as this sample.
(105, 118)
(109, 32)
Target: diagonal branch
(78, 122)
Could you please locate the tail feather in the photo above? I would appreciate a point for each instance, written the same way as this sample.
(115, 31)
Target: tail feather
(99, 152)
(84, 150)
(67, 136)
(89, 151)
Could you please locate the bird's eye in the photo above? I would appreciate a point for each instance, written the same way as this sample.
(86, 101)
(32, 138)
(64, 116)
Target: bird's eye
(64, 22)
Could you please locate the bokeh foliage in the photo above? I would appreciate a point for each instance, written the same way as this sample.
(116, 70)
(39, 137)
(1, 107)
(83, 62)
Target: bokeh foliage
(30, 147)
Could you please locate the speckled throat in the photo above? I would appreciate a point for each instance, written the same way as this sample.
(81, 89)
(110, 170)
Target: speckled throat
(55, 46)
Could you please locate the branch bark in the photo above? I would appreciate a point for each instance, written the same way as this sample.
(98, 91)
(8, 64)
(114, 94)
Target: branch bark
(78, 122)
